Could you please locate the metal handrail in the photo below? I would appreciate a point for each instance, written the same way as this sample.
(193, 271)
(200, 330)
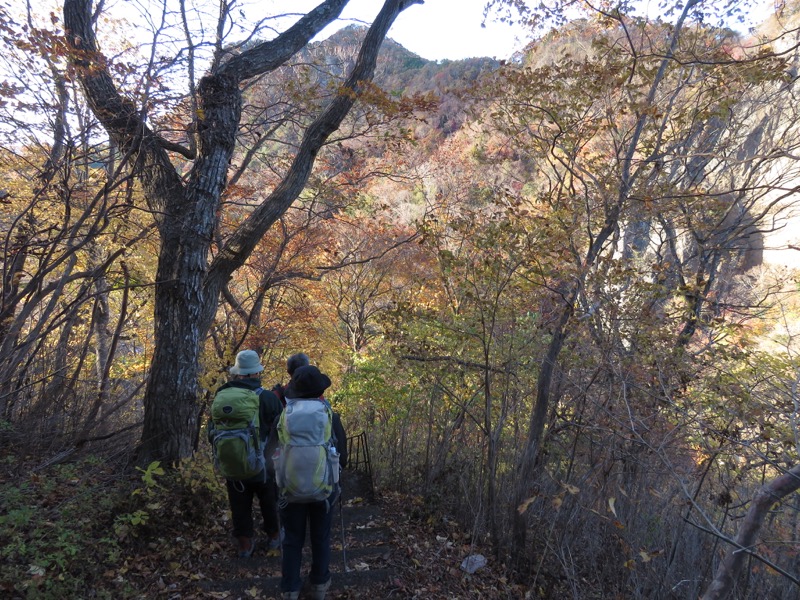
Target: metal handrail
(358, 458)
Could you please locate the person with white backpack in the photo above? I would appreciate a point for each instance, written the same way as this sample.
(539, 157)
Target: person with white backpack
(312, 450)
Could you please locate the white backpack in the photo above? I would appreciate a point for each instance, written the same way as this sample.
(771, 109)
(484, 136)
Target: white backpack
(306, 462)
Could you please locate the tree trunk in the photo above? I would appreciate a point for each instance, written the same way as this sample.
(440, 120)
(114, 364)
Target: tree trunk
(766, 497)
(182, 310)
(530, 455)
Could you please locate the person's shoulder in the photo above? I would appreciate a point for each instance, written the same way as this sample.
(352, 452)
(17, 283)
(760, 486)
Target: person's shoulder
(268, 394)
(289, 392)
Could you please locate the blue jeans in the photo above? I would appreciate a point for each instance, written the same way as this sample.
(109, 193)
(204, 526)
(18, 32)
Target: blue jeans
(293, 519)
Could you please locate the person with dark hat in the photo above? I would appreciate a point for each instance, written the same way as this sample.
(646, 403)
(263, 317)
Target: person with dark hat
(309, 384)
(245, 374)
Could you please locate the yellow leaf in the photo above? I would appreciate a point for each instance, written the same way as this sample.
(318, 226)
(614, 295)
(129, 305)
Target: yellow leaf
(612, 506)
(648, 556)
(630, 564)
(571, 488)
(558, 501)
(524, 506)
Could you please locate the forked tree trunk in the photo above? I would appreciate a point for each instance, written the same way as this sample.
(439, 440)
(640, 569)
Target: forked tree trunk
(188, 287)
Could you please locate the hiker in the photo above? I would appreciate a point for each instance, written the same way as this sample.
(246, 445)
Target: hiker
(313, 447)
(294, 362)
(259, 482)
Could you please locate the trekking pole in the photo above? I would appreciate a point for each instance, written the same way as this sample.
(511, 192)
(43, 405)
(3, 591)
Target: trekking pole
(344, 549)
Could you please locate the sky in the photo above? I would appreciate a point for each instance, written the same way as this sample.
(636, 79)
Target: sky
(440, 29)
(435, 30)
(451, 29)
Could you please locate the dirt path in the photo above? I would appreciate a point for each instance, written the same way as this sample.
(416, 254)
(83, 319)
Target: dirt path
(360, 555)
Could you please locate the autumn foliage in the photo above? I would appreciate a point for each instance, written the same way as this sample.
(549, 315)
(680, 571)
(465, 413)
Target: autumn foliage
(558, 294)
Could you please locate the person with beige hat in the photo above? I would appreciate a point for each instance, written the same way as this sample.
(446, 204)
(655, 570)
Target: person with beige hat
(246, 377)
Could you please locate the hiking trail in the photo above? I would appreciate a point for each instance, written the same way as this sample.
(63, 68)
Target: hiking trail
(362, 570)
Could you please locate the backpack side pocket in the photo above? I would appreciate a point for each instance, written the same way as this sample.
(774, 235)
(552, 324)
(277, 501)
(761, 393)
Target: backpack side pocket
(333, 464)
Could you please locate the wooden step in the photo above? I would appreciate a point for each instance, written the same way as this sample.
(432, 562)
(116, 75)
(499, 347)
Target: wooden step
(270, 586)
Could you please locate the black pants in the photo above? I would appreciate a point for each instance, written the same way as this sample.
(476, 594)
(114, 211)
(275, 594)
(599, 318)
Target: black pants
(240, 496)
(295, 518)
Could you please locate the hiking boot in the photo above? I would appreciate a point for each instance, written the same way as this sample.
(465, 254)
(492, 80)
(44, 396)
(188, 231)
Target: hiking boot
(246, 546)
(317, 591)
(290, 595)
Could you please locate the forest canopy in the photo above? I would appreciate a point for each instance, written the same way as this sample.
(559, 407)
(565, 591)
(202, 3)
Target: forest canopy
(558, 292)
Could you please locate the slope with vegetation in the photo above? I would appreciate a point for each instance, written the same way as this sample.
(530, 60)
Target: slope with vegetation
(545, 289)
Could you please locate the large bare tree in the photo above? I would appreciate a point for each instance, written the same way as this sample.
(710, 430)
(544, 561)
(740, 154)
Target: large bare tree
(186, 208)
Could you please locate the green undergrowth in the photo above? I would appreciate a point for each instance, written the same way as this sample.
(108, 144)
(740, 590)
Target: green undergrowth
(93, 529)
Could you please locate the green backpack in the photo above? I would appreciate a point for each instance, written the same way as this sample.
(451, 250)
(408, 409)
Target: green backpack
(234, 433)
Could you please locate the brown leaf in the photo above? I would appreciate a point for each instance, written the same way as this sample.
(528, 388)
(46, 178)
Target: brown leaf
(524, 506)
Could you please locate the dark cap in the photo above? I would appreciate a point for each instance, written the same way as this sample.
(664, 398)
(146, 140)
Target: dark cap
(295, 361)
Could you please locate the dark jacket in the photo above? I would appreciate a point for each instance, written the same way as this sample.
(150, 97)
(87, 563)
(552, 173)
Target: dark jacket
(280, 391)
(341, 439)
